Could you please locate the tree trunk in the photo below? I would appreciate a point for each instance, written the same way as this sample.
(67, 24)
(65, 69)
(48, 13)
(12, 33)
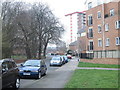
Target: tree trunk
(44, 51)
(28, 53)
(40, 50)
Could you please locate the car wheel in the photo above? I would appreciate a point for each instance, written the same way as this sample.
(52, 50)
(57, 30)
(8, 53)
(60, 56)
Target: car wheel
(17, 83)
(45, 72)
(39, 75)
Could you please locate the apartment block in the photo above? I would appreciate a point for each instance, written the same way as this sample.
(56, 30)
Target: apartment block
(103, 30)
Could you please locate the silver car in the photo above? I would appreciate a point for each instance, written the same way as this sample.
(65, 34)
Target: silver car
(57, 60)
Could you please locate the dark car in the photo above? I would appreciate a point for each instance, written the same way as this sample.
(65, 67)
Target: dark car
(33, 69)
(10, 74)
(66, 59)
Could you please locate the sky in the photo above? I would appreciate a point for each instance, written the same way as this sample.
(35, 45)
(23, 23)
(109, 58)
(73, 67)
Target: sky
(62, 7)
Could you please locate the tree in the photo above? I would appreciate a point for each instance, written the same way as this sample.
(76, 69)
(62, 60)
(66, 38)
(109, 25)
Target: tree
(29, 27)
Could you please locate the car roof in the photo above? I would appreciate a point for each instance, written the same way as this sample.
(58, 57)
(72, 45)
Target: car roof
(33, 60)
(3, 60)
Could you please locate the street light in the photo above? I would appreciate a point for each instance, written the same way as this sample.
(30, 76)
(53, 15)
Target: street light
(78, 36)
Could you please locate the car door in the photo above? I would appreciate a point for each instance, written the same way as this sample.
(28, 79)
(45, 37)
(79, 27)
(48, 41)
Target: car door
(6, 78)
(11, 72)
(43, 67)
(60, 60)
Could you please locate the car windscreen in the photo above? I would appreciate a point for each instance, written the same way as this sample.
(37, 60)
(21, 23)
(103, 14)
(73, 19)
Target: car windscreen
(56, 58)
(35, 63)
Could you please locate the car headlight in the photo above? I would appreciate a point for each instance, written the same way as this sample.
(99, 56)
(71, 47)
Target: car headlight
(51, 61)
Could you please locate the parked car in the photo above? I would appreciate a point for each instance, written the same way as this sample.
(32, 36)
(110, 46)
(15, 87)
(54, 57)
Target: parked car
(69, 56)
(9, 73)
(63, 59)
(57, 60)
(33, 69)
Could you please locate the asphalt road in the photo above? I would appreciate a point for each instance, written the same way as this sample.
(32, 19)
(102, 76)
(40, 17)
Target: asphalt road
(56, 77)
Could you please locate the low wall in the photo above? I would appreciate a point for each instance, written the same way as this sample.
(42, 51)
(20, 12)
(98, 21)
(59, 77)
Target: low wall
(102, 61)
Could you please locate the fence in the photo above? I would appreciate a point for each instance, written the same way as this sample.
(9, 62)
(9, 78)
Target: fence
(107, 54)
(101, 54)
(86, 55)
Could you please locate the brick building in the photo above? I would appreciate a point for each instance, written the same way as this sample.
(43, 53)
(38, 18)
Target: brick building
(103, 30)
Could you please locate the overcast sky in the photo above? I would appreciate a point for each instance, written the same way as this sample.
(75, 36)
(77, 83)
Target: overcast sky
(62, 7)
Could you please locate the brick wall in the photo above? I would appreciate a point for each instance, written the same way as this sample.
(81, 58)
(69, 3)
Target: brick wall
(111, 51)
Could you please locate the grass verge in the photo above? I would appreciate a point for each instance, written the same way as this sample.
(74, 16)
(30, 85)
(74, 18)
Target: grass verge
(18, 57)
(93, 79)
(86, 64)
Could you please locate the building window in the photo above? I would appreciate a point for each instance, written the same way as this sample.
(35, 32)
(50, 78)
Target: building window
(117, 24)
(107, 42)
(99, 14)
(90, 20)
(90, 45)
(106, 27)
(90, 33)
(112, 12)
(89, 5)
(99, 29)
(99, 43)
(117, 40)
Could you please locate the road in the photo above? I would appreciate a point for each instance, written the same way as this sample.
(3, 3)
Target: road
(56, 77)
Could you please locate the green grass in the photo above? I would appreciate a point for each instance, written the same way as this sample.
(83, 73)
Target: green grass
(18, 57)
(93, 79)
(85, 64)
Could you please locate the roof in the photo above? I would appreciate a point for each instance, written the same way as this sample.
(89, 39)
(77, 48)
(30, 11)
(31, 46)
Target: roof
(74, 13)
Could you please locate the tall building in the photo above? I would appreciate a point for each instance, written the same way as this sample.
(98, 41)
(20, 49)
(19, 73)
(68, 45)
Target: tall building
(103, 30)
(74, 24)
(77, 26)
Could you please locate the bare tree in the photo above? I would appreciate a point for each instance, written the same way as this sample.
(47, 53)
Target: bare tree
(30, 27)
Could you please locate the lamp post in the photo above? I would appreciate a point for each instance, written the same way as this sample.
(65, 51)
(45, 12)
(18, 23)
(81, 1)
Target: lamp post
(78, 36)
